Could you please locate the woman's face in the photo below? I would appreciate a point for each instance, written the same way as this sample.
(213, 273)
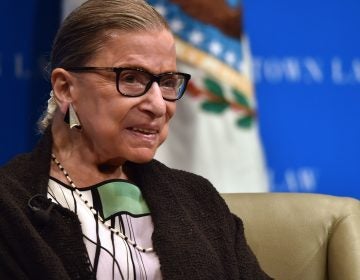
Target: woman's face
(116, 128)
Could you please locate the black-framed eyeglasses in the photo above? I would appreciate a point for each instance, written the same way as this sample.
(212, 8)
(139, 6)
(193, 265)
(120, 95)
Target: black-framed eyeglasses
(134, 82)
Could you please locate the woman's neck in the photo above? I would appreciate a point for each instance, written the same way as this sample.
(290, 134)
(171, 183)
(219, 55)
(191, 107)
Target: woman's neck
(84, 167)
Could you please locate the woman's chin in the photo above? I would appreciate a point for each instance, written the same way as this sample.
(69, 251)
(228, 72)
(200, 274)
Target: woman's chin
(143, 156)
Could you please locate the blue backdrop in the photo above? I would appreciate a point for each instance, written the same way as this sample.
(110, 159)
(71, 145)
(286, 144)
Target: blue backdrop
(306, 72)
(27, 30)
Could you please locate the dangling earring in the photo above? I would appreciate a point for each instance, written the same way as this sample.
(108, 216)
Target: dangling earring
(71, 118)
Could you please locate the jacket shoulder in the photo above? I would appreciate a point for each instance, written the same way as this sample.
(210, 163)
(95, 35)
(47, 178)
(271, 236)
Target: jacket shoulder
(14, 169)
(184, 178)
(191, 188)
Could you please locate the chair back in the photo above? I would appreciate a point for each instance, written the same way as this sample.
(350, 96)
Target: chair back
(301, 236)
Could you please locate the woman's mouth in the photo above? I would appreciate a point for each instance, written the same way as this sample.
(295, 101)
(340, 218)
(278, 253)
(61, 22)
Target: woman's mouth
(144, 130)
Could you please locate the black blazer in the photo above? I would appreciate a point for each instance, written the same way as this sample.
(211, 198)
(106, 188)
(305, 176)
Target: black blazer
(195, 235)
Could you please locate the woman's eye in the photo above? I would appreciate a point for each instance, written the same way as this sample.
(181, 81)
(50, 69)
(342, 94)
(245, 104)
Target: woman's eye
(129, 78)
(171, 83)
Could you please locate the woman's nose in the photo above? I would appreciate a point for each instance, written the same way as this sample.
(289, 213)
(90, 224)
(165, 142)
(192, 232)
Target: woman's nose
(154, 101)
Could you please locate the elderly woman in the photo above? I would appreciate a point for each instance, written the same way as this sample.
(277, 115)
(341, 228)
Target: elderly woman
(90, 201)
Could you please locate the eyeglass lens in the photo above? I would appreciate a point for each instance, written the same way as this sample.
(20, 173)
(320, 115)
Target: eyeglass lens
(135, 83)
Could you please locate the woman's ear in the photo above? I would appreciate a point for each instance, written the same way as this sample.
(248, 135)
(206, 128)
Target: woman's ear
(61, 81)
